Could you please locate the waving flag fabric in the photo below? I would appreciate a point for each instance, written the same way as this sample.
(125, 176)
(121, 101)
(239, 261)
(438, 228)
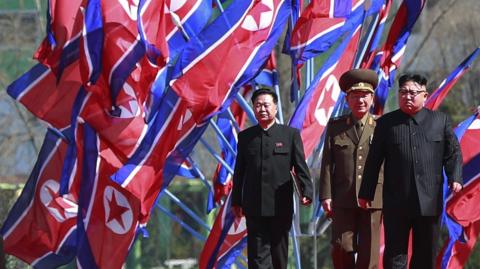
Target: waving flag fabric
(226, 240)
(185, 169)
(377, 35)
(436, 98)
(316, 107)
(41, 227)
(91, 42)
(228, 53)
(142, 173)
(49, 99)
(268, 76)
(111, 44)
(123, 128)
(178, 155)
(389, 58)
(184, 20)
(64, 26)
(321, 24)
(463, 217)
(108, 214)
(151, 21)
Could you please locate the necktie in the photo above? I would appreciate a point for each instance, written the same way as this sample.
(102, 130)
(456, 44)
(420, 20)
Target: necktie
(358, 129)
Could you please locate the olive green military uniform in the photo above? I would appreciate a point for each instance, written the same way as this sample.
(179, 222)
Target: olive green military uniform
(354, 230)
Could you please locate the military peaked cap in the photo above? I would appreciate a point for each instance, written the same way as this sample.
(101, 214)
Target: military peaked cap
(359, 80)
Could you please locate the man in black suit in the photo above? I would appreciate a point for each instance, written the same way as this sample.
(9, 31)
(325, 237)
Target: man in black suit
(416, 145)
(262, 183)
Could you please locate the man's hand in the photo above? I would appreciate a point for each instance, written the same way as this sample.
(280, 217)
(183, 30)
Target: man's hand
(364, 203)
(327, 207)
(306, 201)
(237, 211)
(455, 187)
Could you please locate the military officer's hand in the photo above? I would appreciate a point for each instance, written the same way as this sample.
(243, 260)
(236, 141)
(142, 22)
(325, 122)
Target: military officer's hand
(455, 187)
(237, 211)
(306, 201)
(364, 203)
(327, 207)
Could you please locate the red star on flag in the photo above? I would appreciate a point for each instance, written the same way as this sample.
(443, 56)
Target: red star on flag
(116, 211)
(56, 202)
(327, 100)
(257, 11)
(329, 97)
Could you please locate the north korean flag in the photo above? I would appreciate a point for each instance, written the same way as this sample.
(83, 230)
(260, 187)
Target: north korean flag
(317, 104)
(121, 46)
(463, 218)
(320, 25)
(64, 27)
(268, 75)
(226, 240)
(123, 127)
(228, 53)
(388, 59)
(49, 99)
(108, 215)
(142, 174)
(41, 227)
(436, 98)
(377, 34)
(184, 20)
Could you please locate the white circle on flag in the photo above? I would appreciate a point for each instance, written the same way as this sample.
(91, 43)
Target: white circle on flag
(174, 5)
(129, 108)
(48, 194)
(331, 90)
(131, 10)
(258, 20)
(118, 212)
(475, 125)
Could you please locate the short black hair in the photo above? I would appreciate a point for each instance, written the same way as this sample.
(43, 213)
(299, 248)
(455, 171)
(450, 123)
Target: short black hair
(412, 77)
(263, 91)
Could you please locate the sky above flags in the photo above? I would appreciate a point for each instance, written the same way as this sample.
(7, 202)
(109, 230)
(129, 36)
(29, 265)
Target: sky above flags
(128, 92)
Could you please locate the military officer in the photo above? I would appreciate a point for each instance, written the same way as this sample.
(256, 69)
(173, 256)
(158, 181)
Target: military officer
(348, 138)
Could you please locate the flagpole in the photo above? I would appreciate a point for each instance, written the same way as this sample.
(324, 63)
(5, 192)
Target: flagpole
(366, 41)
(243, 103)
(201, 175)
(233, 121)
(186, 209)
(216, 156)
(222, 137)
(182, 223)
(277, 91)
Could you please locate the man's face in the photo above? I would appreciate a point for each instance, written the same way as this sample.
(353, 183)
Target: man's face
(411, 97)
(265, 109)
(359, 102)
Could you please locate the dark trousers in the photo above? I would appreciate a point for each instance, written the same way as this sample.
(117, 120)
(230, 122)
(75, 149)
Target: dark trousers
(355, 231)
(268, 241)
(425, 232)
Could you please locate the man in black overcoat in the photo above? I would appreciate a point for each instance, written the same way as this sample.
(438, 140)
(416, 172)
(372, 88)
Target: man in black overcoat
(416, 146)
(263, 186)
